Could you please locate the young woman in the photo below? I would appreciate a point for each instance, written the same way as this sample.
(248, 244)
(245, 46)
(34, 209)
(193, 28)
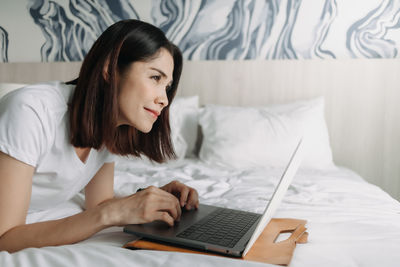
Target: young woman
(57, 139)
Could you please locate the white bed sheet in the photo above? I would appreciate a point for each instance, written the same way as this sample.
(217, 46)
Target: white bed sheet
(350, 222)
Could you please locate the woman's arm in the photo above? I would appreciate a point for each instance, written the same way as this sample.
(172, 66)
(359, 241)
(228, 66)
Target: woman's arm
(15, 193)
(15, 190)
(101, 187)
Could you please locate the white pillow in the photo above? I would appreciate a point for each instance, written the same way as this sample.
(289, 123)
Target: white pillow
(247, 137)
(184, 122)
(8, 87)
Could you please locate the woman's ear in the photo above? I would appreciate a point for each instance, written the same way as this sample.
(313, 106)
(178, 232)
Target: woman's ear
(105, 73)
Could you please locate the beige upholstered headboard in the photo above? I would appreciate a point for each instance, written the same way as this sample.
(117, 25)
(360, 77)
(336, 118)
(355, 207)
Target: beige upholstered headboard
(362, 100)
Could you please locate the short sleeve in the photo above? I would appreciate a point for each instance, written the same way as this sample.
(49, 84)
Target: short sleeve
(109, 157)
(22, 127)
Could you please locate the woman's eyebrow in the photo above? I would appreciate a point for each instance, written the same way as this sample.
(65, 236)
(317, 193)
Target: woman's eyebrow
(160, 71)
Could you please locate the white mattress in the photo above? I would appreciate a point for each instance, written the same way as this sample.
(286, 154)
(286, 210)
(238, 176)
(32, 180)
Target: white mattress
(350, 222)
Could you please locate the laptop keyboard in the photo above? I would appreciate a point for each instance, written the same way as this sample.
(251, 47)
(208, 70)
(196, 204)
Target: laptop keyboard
(223, 227)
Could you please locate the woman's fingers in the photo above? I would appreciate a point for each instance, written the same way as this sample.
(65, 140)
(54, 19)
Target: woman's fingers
(173, 202)
(161, 204)
(164, 216)
(171, 206)
(192, 199)
(159, 200)
(184, 193)
(187, 196)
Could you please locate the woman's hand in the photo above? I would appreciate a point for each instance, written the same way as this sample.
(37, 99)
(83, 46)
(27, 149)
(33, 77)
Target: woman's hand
(145, 206)
(151, 204)
(187, 196)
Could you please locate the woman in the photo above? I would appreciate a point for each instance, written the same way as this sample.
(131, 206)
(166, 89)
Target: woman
(57, 139)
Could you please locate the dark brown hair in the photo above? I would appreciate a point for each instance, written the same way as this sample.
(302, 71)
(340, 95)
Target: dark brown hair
(94, 108)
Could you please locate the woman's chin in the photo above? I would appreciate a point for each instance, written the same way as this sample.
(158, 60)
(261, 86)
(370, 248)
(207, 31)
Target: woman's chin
(145, 129)
(141, 127)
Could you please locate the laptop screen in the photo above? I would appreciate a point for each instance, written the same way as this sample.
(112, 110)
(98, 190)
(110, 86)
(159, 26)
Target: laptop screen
(279, 193)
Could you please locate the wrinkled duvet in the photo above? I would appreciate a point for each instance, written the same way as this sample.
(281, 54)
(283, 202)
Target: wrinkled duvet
(350, 222)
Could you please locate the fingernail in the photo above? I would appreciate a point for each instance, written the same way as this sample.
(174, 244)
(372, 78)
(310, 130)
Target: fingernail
(188, 207)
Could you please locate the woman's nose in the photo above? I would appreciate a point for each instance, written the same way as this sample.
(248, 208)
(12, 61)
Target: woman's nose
(162, 99)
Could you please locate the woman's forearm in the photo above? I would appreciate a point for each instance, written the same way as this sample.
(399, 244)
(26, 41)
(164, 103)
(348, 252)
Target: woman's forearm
(56, 232)
(143, 207)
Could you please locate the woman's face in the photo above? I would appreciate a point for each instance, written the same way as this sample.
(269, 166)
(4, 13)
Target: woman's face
(143, 91)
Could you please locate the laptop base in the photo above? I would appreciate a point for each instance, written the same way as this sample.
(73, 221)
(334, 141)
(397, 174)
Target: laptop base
(264, 249)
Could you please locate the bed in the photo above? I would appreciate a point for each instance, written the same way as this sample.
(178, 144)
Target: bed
(221, 130)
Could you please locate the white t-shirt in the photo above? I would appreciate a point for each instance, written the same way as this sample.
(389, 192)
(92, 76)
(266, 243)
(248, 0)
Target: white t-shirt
(34, 127)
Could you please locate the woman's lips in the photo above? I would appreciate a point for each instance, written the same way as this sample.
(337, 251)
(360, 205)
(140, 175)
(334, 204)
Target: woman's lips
(153, 112)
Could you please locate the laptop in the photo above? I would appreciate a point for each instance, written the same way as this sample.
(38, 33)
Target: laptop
(220, 230)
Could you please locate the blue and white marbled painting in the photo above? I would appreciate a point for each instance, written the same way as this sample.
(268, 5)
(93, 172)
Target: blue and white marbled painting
(214, 29)
(71, 30)
(292, 29)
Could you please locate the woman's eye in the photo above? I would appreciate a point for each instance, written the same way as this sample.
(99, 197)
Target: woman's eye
(156, 78)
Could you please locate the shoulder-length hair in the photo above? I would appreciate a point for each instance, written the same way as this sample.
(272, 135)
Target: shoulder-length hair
(93, 111)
